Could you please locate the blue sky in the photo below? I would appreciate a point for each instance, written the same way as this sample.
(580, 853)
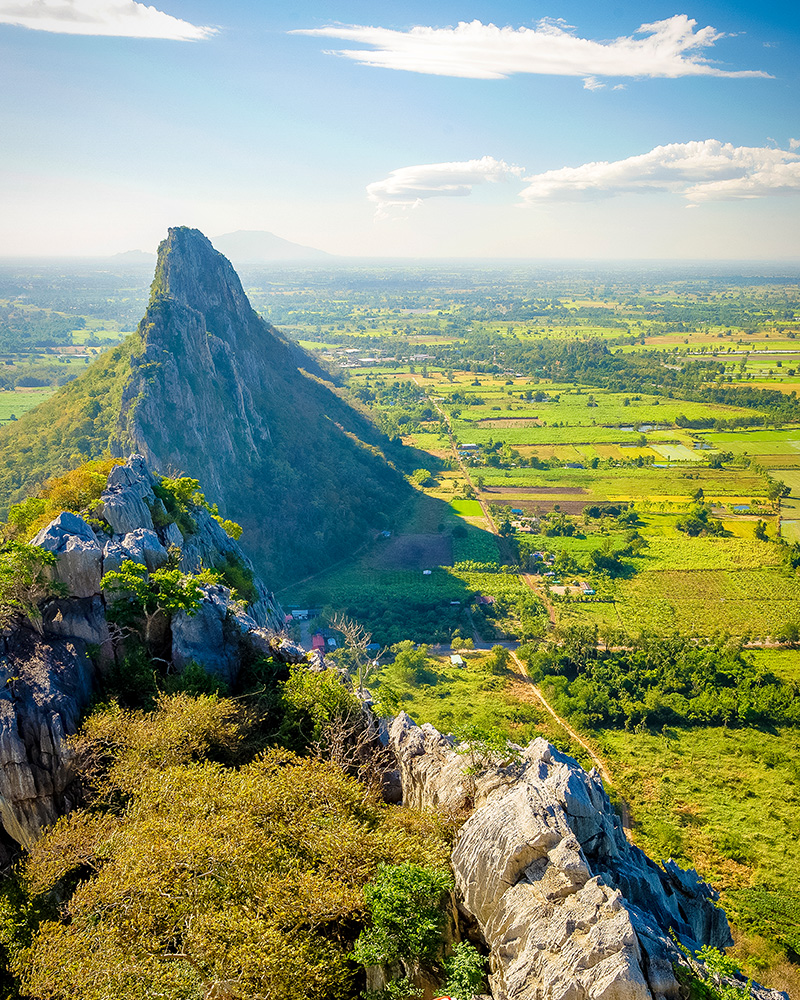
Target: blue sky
(453, 129)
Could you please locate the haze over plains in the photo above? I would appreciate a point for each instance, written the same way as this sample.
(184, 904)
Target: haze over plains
(499, 129)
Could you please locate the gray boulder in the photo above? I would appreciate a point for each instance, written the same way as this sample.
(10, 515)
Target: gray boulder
(142, 546)
(44, 688)
(128, 498)
(113, 555)
(212, 637)
(83, 619)
(171, 535)
(568, 907)
(79, 555)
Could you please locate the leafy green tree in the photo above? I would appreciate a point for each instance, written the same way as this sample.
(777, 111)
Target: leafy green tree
(23, 515)
(484, 747)
(498, 660)
(761, 531)
(25, 582)
(410, 661)
(181, 495)
(311, 702)
(147, 601)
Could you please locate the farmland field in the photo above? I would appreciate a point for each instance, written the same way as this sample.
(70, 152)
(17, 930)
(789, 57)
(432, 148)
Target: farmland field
(19, 401)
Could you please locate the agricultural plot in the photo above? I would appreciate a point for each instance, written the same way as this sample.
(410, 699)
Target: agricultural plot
(757, 443)
(725, 801)
(693, 586)
(13, 403)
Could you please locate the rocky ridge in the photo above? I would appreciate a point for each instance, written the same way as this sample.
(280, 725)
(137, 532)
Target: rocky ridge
(47, 680)
(568, 908)
(260, 432)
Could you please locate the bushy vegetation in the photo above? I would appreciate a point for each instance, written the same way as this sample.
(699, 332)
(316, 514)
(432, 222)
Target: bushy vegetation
(187, 873)
(76, 491)
(25, 583)
(658, 682)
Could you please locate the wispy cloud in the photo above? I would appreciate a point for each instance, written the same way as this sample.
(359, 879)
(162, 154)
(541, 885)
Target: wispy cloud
(100, 17)
(668, 48)
(407, 187)
(699, 171)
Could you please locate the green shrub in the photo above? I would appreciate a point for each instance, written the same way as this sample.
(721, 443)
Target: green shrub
(238, 577)
(310, 702)
(464, 972)
(407, 913)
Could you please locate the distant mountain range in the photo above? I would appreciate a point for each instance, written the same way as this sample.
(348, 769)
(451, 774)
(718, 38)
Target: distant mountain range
(245, 246)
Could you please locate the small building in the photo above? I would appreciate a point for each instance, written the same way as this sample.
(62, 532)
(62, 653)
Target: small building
(427, 572)
(457, 661)
(300, 615)
(288, 619)
(517, 510)
(331, 643)
(468, 447)
(485, 599)
(318, 641)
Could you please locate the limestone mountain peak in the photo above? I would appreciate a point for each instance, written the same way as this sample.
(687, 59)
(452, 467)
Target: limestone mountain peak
(191, 273)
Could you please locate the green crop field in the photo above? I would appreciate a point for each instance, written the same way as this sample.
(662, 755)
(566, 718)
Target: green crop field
(19, 401)
(467, 508)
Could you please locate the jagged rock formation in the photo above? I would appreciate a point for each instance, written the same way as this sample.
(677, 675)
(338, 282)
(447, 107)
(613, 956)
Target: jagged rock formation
(568, 907)
(47, 681)
(45, 685)
(216, 393)
(126, 506)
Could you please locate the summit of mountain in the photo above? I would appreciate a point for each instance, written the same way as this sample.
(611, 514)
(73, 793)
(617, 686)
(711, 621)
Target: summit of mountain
(208, 389)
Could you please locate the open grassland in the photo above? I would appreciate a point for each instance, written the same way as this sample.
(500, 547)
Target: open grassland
(451, 697)
(726, 801)
(15, 402)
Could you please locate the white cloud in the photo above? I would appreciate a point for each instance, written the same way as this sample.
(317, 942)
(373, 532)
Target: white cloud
(794, 144)
(407, 187)
(699, 171)
(669, 48)
(99, 17)
(592, 83)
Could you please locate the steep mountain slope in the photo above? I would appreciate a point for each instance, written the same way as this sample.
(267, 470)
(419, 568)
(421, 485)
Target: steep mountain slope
(209, 389)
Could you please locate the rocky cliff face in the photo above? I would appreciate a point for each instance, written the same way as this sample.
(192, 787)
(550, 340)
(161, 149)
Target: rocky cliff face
(45, 685)
(46, 682)
(217, 394)
(568, 908)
